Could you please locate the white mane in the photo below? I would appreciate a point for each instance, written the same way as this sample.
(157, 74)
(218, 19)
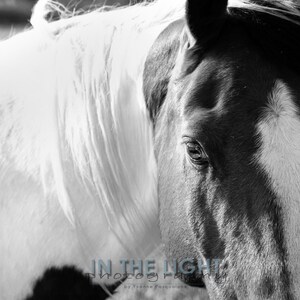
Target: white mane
(73, 117)
(73, 112)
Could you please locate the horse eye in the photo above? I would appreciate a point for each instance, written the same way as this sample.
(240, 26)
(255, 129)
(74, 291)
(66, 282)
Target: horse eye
(196, 154)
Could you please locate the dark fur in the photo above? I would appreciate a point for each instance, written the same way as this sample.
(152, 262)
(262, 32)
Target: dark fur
(278, 38)
(67, 283)
(205, 19)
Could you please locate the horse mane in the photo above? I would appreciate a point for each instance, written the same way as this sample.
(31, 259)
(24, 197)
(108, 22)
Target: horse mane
(80, 105)
(73, 113)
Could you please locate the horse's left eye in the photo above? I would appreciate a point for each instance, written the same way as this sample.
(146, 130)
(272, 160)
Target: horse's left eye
(196, 154)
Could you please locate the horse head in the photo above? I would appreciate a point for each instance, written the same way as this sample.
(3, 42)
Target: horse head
(228, 150)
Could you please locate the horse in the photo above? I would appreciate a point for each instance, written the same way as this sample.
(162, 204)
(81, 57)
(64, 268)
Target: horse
(170, 122)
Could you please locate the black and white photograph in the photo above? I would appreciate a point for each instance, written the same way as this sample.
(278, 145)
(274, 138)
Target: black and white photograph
(150, 149)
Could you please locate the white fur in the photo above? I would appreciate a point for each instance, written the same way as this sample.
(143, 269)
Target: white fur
(280, 158)
(75, 134)
(76, 142)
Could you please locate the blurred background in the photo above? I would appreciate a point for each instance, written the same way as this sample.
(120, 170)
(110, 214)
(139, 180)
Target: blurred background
(15, 14)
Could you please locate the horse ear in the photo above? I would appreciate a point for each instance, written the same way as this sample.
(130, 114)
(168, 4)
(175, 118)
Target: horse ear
(205, 18)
